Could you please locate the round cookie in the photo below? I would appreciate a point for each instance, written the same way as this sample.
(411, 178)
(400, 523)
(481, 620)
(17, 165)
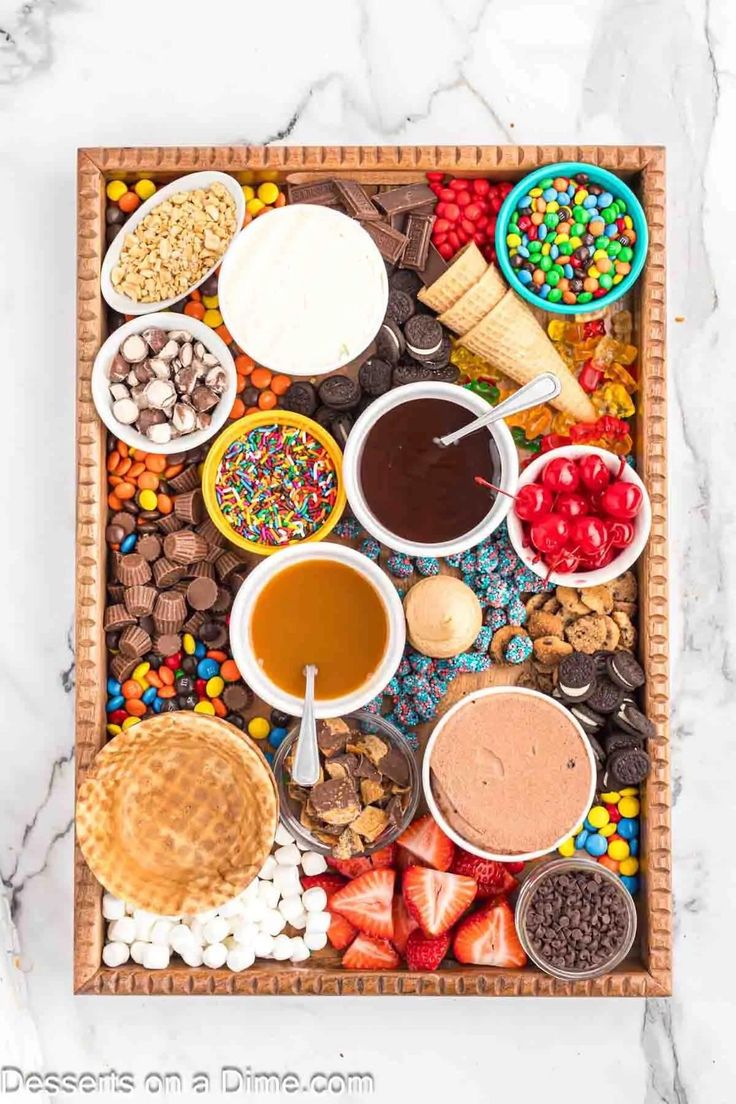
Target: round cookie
(587, 717)
(631, 719)
(625, 671)
(628, 766)
(339, 392)
(587, 634)
(605, 697)
(423, 335)
(300, 397)
(405, 279)
(400, 306)
(374, 376)
(576, 677)
(617, 739)
(390, 344)
(443, 616)
(551, 649)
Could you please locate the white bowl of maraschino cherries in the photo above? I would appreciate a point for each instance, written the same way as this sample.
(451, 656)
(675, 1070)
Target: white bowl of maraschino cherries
(581, 516)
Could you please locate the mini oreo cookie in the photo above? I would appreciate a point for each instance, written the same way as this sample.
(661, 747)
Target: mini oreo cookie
(628, 766)
(625, 670)
(339, 392)
(405, 280)
(340, 427)
(423, 335)
(390, 343)
(590, 720)
(617, 739)
(605, 697)
(400, 306)
(631, 719)
(576, 677)
(441, 358)
(374, 376)
(300, 397)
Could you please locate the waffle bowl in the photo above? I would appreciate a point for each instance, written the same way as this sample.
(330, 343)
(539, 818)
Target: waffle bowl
(177, 814)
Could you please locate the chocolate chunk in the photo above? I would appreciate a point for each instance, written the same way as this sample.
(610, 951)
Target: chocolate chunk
(405, 198)
(418, 230)
(423, 335)
(605, 697)
(300, 397)
(356, 200)
(366, 769)
(389, 242)
(339, 392)
(434, 267)
(342, 766)
(374, 376)
(400, 306)
(633, 720)
(394, 766)
(335, 801)
(625, 671)
(390, 343)
(332, 736)
(322, 192)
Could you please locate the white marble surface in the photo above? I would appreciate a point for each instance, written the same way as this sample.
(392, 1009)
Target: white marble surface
(85, 72)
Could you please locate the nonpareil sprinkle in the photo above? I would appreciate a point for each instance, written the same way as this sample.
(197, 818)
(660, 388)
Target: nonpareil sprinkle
(276, 485)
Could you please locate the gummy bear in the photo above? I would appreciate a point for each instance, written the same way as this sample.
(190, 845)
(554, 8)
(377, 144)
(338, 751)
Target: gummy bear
(613, 398)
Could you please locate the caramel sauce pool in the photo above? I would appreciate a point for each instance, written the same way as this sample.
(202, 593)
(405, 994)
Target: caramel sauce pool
(319, 612)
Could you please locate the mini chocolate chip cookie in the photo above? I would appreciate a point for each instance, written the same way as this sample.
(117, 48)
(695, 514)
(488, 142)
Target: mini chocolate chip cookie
(597, 598)
(587, 634)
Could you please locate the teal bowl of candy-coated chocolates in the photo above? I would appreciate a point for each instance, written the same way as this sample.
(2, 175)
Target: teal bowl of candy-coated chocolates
(634, 253)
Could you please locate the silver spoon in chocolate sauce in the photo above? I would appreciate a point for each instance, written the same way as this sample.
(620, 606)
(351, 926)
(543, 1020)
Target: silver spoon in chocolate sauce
(305, 770)
(540, 390)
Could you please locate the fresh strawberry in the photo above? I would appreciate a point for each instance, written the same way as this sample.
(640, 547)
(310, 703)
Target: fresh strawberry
(426, 952)
(492, 877)
(488, 937)
(341, 932)
(370, 954)
(366, 902)
(351, 868)
(330, 883)
(404, 924)
(428, 843)
(514, 867)
(435, 898)
(386, 857)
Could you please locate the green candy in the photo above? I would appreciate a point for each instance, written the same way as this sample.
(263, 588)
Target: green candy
(546, 183)
(626, 253)
(576, 230)
(620, 205)
(614, 247)
(585, 296)
(555, 294)
(519, 436)
(545, 263)
(514, 218)
(551, 220)
(565, 248)
(536, 443)
(553, 279)
(609, 214)
(602, 242)
(558, 269)
(579, 214)
(535, 247)
(604, 280)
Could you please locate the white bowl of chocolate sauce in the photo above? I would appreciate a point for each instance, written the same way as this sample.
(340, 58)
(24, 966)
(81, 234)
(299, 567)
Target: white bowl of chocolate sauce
(416, 497)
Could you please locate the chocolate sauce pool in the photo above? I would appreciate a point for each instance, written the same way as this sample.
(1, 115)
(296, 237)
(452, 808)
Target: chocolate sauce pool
(418, 490)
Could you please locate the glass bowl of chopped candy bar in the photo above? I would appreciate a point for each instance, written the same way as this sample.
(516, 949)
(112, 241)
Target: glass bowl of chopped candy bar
(368, 791)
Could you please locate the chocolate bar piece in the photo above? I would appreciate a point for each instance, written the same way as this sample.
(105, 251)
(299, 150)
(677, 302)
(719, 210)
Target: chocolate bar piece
(356, 200)
(406, 198)
(322, 192)
(390, 242)
(434, 267)
(418, 230)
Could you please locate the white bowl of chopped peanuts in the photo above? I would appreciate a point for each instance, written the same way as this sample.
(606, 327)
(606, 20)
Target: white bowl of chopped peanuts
(205, 210)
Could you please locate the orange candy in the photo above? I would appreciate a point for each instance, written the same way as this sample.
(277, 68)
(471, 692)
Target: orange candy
(244, 365)
(136, 707)
(219, 707)
(153, 679)
(148, 481)
(223, 332)
(229, 671)
(114, 502)
(128, 202)
(113, 459)
(196, 295)
(167, 691)
(219, 657)
(125, 491)
(166, 675)
(238, 409)
(195, 310)
(122, 448)
(280, 384)
(172, 470)
(267, 400)
(165, 504)
(260, 378)
(156, 463)
(611, 864)
(252, 410)
(131, 689)
(124, 466)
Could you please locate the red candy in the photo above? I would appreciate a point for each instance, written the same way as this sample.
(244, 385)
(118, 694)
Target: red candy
(466, 211)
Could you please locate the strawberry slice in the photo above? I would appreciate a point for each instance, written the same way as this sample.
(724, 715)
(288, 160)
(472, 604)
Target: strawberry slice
(428, 844)
(370, 954)
(492, 877)
(435, 898)
(341, 932)
(351, 868)
(514, 867)
(366, 902)
(386, 857)
(426, 952)
(488, 937)
(330, 883)
(404, 924)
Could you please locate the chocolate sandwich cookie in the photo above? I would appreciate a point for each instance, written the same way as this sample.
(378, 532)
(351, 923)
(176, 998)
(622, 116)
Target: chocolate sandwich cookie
(374, 376)
(323, 415)
(339, 392)
(390, 343)
(588, 718)
(617, 739)
(340, 427)
(400, 306)
(631, 719)
(300, 397)
(405, 280)
(628, 767)
(442, 358)
(576, 677)
(423, 335)
(625, 670)
(605, 697)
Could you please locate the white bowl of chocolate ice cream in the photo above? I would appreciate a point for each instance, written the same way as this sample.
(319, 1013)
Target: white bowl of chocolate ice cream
(508, 774)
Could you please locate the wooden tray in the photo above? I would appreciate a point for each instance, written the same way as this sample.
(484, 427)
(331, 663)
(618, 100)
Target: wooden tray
(648, 971)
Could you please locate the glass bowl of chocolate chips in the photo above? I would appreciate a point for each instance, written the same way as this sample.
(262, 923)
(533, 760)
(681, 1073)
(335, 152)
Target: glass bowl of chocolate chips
(575, 918)
(368, 791)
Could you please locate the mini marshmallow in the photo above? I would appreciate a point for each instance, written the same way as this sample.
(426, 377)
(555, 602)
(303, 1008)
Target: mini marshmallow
(240, 958)
(123, 930)
(314, 899)
(215, 955)
(286, 880)
(161, 932)
(245, 932)
(273, 922)
(231, 908)
(136, 951)
(288, 855)
(192, 954)
(181, 937)
(268, 868)
(249, 893)
(263, 945)
(269, 894)
(155, 956)
(282, 948)
(144, 921)
(303, 845)
(115, 954)
(196, 927)
(112, 907)
(204, 917)
(315, 940)
(299, 950)
(318, 921)
(283, 836)
(215, 930)
(313, 863)
(291, 907)
(254, 911)
(129, 909)
(299, 922)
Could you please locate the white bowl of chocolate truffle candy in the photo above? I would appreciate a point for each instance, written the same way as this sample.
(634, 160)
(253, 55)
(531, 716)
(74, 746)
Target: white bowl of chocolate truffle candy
(164, 383)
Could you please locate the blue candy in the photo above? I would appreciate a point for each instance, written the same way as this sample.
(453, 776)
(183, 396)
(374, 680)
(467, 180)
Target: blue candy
(348, 527)
(596, 845)
(400, 565)
(542, 231)
(113, 686)
(605, 199)
(158, 704)
(544, 291)
(370, 548)
(428, 565)
(590, 201)
(581, 839)
(115, 703)
(554, 252)
(149, 695)
(628, 827)
(634, 846)
(524, 276)
(630, 882)
(199, 650)
(549, 194)
(518, 649)
(129, 543)
(207, 668)
(277, 736)
(483, 639)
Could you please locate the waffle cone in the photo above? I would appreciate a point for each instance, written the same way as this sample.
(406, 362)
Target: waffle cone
(511, 340)
(178, 816)
(466, 269)
(476, 302)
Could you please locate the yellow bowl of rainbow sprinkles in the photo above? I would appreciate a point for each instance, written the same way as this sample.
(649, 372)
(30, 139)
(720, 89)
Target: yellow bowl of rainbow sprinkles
(272, 480)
